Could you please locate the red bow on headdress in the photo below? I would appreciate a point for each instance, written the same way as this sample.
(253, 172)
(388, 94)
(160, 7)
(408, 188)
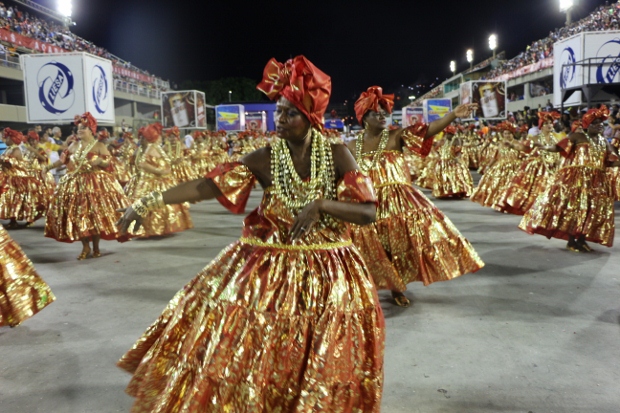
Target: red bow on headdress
(524, 129)
(174, 131)
(87, 120)
(506, 126)
(600, 113)
(103, 134)
(33, 135)
(450, 130)
(373, 99)
(15, 136)
(300, 82)
(152, 132)
(129, 135)
(575, 125)
(547, 117)
(197, 134)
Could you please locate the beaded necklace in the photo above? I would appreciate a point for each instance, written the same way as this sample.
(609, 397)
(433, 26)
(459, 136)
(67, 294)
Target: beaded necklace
(294, 192)
(80, 155)
(364, 165)
(598, 146)
(160, 151)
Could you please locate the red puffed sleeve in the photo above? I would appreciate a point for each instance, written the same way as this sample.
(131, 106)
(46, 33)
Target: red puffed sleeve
(356, 187)
(566, 146)
(235, 181)
(611, 157)
(414, 138)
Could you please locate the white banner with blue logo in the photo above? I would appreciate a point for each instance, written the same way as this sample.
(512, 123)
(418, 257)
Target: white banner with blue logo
(567, 52)
(60, 86)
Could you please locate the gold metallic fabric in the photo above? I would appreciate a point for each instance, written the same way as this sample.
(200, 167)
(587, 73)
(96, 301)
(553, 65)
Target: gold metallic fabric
(451, 177)
(412, 240)
(164, 221)
(23, 195)
(85, 204)
(497, 178)
(22, 292)
(265, 329)
(579, 200)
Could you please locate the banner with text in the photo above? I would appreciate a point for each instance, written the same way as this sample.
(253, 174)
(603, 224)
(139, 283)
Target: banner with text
(230, 117)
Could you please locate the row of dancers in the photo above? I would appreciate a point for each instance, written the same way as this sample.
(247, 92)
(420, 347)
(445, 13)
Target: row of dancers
(287, 318)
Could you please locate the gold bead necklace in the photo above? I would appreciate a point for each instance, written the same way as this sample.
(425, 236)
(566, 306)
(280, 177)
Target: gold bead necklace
(366, 166)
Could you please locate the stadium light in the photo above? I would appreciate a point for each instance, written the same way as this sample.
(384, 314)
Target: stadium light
(453, 67)
(470, 58)
(566, 6)
(230, 95)
(493, 43)
(64, 7)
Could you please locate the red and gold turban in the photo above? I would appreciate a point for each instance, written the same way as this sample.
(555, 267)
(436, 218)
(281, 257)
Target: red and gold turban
(88, 121)
(450, 130)
(506, 126)
(300, 82)
(14, 136)
(373, 99)
(174, 131)
(141, 132)
(547, 117)
(103, 134)
(128, 135)
(601, 113)
(152, 132)
(575, 125)
(198, 133)
(33, 135)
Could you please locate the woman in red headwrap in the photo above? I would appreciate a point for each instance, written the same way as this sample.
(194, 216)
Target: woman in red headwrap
(501, 170)
(39, 160)
(412, 240)
(86, 200)
(119, 161)
(155, 174)
(452, 178)
(179, 156)
(578, 205)
(535, 171)
(22, 292)
(286, 319)
(200, 153)
(21, 194)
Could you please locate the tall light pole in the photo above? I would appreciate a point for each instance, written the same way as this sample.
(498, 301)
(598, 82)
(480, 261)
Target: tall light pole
(65, 9)
(566, 6)
(470, 58)
(493, 43)
(230, 95)
(453, 67)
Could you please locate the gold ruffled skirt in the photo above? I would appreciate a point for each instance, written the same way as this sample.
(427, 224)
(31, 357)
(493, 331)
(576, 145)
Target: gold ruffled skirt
(470, 156)
(577, 202)
(494, 182)
(452, 179)
(22, 292)
(418, 241)
(23, 198)
(265, 330)
(529, 182)
(84, 205)
(183, 171)
(120, 170)
(613, 175)
(165, 221)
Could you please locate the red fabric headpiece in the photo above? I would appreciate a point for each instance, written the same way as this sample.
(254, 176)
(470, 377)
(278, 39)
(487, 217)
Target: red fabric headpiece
(14, 136)
(506, 126)
(33, 135)
(524, 129)
(300, 82)
(576, 124)
(601, 113)
(198, 133)
(450, 129)
(373, 99)
(152, 132)
(174, 131)
(547, 117)
(87, 120)
(103, 134)
(129, 135)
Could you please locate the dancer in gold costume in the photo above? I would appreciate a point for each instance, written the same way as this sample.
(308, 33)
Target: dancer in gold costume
(286, 319)
(179, 156)
(87, 198)
(412, 240)
(451, 176)
(578, 204)
(155, 174)
(22, 292)
(22, 196)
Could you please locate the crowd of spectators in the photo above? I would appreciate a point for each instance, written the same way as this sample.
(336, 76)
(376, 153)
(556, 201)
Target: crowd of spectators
(605, 17)
(25, 24)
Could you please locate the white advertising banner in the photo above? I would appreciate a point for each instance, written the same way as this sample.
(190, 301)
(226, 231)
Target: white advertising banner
(605, 48)
(567, 51)
(60, 86)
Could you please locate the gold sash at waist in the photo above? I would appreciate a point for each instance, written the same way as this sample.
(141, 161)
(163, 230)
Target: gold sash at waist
(392, 183)
(311, 247)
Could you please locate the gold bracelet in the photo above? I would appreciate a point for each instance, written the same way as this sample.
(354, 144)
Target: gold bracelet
(154, 200)
(140, 208)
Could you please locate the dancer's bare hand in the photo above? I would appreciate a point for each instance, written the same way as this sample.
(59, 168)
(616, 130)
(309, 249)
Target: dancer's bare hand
(306, 220)
(129, 216)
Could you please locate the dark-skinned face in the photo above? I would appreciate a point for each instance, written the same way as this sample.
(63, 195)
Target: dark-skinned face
(376, 120)
(595, 127)
(291, 124)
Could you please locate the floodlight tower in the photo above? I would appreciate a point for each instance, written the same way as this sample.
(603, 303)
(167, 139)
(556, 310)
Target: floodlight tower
(566, 6)
(470, 58)
(65, 9)
(493, 43)
(453, 67)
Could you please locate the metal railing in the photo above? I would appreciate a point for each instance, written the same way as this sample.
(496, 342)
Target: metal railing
(134, 89)
(10, 61)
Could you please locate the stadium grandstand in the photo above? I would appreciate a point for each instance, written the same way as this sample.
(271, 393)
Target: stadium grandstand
(529, 75)
(27, 27)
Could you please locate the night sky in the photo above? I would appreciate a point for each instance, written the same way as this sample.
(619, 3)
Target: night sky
(358, 43)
